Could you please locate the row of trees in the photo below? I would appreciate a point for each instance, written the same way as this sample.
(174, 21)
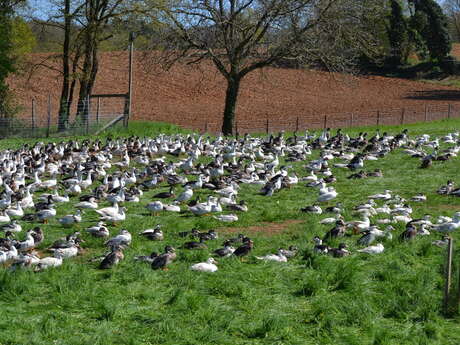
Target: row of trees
(240, 36)
(11, 42)
(417, 26)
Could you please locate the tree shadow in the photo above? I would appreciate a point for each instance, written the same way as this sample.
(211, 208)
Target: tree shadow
(436, 95)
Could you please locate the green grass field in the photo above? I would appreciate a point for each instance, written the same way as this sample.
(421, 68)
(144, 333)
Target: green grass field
(392, 298)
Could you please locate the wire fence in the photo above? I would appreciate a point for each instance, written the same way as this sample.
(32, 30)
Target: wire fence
(101, 111)
(41, 119)
(261, 123)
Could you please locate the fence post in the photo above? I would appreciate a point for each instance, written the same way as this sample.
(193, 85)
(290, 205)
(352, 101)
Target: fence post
(88, 117)
(98, 109)
(448, 275)
(49, 117)
(351, 119)
(449, 111)
(325, 121)
(297, 124)
(267, 126)
(33, 116)
(402, 115)
(378, 117)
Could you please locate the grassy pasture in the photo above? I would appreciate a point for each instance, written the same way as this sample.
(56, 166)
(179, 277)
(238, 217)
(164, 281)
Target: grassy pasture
(392, 298)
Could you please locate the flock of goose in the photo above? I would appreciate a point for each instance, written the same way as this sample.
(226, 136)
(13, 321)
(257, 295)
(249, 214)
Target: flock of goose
(34, 179)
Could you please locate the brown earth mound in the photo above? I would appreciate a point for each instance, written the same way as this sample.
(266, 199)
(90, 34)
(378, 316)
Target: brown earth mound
(189, 95)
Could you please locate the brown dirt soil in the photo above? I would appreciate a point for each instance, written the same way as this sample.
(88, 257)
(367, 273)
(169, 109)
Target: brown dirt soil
(266, 228)
(190, 95)
(455, 52)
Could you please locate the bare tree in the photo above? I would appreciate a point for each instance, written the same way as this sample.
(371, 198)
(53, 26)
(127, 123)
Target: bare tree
(240, 36)
(85, 25)
(452, 8)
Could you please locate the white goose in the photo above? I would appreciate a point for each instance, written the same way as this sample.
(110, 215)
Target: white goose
(118, 217)
(155, 207)
(14, 227)
(279, 257)
(186, 194)
(449, 226)
(377, 249)
(46, 214)
(15, 212)
(90, 204)
(27, 244)
(10, 254)
(4, 218)
(208, 266)
(226, 218)
(327, 196)
(49, 262)
(71, 219)
(108, 211)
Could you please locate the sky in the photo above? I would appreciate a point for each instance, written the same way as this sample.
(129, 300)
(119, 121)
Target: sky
(41, 8)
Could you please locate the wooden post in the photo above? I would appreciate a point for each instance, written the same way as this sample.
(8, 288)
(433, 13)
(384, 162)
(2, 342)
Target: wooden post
(130, 76)
(49, 117)
(351, 119)
(267, 126)
(88, 116)
(458, 292)
(402, 115)
(33, 115)
(98, 109)
(378, 117)
(297, 124)
(449, 111)
(325, 121)
(448, 275)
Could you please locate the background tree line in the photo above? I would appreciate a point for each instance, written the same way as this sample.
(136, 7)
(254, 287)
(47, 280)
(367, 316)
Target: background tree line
(237, 36)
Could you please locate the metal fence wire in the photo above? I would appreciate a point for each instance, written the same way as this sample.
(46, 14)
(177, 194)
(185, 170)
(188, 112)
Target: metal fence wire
(101, 111)
(261, 123)
(42, 119)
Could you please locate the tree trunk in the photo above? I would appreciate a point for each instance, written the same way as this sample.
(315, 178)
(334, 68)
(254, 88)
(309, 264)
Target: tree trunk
(90, 67)
(231, 97)
(64, 106)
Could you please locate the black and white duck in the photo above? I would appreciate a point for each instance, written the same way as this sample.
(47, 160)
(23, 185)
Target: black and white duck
(337, 231)
(13, 227)
(210, 235)
(154, 234)
(319, 247)
(244, 249)
(314, 209)
(146, 258)
(113, 258)
(290, 252)
(162, 260)
(339, 252)
(195, 244)
(165, 195)
(226, 251)
(99, 230)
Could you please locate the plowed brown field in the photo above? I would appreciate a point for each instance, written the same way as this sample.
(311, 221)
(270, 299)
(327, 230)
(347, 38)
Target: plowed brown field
(191, 95)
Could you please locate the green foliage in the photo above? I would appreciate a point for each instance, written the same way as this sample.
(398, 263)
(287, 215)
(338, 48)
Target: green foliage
(397, 33)
(22, 38)
(6, 60)
(432, 24)
(394, 298)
